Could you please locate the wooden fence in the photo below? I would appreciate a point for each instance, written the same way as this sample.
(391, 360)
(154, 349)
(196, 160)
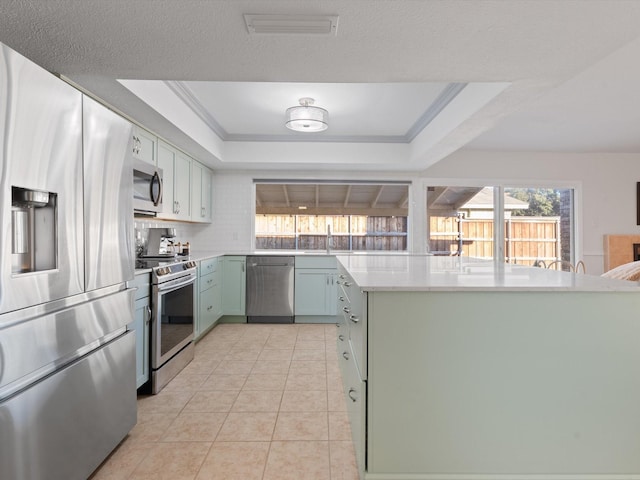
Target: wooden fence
(527, 239)
(349, 232)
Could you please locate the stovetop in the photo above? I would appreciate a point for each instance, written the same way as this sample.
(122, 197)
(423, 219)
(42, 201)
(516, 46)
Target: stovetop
(167, 268)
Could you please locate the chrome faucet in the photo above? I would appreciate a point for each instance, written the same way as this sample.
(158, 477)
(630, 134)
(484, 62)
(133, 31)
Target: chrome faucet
(329, 239)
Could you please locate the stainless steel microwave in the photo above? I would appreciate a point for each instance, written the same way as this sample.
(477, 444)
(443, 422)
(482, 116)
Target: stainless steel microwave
(147, 188)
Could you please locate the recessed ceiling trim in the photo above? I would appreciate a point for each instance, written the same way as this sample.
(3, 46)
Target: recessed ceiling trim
(449, 92)
(185, 94)
(319, 137)
(278, 181)
(258, 24)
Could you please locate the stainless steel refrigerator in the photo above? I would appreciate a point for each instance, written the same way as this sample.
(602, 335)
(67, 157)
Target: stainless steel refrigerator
(67, 361)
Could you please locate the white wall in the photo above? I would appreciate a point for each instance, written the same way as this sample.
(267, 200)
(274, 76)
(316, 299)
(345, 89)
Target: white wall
(606, 194)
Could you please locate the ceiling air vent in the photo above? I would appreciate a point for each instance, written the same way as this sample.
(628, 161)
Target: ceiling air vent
(291, 24)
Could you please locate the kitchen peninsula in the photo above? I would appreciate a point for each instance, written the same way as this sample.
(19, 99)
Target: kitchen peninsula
(463, 369)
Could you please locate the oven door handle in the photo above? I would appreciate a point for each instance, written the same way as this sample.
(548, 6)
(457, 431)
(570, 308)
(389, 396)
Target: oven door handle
(176, 284)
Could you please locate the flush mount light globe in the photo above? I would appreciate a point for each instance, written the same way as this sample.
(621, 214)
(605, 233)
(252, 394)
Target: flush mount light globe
(306, 117)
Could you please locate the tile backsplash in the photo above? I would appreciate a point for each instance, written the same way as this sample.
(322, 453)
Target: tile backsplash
(183, 233)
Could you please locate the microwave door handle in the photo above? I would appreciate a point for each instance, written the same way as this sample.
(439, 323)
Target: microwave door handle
(155, 180)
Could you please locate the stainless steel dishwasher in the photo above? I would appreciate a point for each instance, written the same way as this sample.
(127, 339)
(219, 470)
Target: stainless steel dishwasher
(270, 289)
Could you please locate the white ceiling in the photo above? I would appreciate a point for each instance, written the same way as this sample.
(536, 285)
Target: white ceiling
(542, 75)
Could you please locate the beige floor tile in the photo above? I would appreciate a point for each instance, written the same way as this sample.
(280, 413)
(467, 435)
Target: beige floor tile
(243, 354)
(265, 381)
(281, 342)
(271, 366)
(334, 382)
(258, 401)
(172, 461)
(166, 401)
(212, 350)
(234, 367)
(336, 401)
(310, 344)
(343, 461)
(339, 427)
(248, 427)
(315, 355)
(211, 401)
(150, 426)
(297, 461)
(235, 461)
(306, 382)
(304, 401)
(194, 427)
(301, 426)
(123, 461)
(224, 382)
(271, 355)
(186, 382)
(202, 365)
(308, 367)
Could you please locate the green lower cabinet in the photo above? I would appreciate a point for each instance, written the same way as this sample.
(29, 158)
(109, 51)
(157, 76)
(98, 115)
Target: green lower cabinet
(210, 308)
(234, 284)
(315, 292)
(141, 324)
(209, 296)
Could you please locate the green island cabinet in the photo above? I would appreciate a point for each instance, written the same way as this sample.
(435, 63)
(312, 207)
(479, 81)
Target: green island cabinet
(234, 284)
(315, 289)
(141, 325)
(209, 295)
(472, 384)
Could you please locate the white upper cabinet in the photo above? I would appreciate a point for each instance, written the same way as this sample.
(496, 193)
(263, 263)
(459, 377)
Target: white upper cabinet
(145, 145)
(201, 181)
(176, 171)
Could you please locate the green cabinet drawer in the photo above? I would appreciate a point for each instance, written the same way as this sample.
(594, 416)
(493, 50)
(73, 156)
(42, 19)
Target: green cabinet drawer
(143, 284)
(208, 266)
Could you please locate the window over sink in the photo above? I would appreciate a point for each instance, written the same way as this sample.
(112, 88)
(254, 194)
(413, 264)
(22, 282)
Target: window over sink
(354, 216)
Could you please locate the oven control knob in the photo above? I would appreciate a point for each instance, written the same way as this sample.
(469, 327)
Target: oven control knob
(189, 264)
(162, 271)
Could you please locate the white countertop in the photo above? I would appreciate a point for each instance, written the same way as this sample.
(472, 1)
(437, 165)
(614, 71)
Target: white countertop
(434, 273)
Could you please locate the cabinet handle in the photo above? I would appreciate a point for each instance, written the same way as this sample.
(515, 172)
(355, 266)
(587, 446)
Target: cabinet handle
(341, 276)
(347, 284)
(352, 394)
(341, 338)
(148, 314)
(346, 309)
(341, 298)
(209, 307)
(354, 319)
(202, 211)
(345, 355)
(337, 325)
(327, 280)
(178, 205)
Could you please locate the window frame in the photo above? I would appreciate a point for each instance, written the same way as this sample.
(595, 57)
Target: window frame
(499, 187)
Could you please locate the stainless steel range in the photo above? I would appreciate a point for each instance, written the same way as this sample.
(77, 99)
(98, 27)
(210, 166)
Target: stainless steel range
(172, 318)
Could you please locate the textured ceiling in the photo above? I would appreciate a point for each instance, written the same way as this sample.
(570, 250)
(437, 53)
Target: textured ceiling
(557, 56)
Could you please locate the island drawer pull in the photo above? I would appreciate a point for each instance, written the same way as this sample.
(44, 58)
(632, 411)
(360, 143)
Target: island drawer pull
(345, 355)
(354, 318)
(346, 309)
(352, 394)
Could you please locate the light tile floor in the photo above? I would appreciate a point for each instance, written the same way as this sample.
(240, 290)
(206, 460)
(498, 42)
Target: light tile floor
(259, 402)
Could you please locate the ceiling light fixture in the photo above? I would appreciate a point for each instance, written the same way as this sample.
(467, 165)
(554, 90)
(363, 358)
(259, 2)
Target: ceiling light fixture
(306, 117)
